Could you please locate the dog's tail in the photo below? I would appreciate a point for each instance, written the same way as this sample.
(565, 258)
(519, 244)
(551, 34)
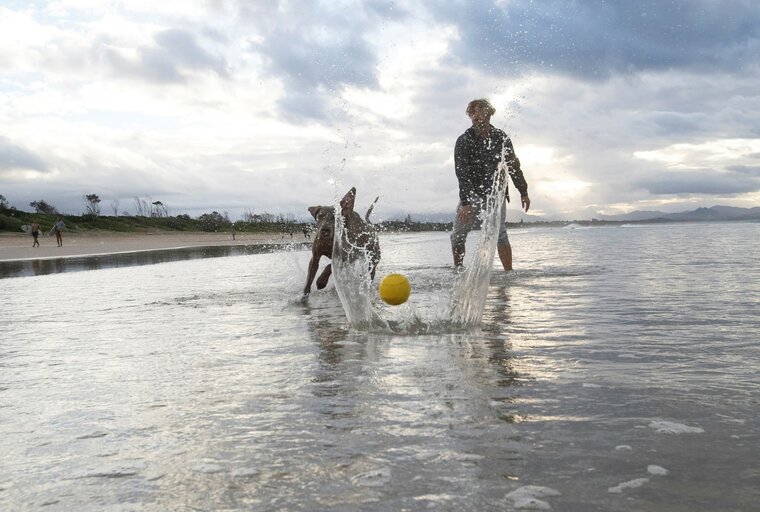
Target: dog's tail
(369, 210)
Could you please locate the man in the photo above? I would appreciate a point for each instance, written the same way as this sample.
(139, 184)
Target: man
(477, 157)
(58, 230)
(35, 233)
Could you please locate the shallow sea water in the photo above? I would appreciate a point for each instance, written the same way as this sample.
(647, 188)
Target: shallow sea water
(617, 369)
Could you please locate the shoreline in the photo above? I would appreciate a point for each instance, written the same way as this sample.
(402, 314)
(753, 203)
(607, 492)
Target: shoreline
(18, 247)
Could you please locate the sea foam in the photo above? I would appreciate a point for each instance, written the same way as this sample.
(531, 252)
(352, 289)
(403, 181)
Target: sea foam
(630, 484)
(670, 427)
(527, 497)
(653, 469)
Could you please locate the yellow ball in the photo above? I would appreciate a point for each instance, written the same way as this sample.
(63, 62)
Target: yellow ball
(395, 289)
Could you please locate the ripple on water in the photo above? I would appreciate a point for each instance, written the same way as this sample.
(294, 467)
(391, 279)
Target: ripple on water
(529, 497)
(630, 484)
(236, 396)
(374, 478)
(207, 468)
(671, 427)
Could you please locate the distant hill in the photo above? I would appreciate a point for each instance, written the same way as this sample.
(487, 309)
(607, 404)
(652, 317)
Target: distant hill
(633, 216)
(714, 213)
(443, 217)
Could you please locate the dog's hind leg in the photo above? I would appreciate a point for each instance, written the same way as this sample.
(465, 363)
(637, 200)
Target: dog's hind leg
(322, 279)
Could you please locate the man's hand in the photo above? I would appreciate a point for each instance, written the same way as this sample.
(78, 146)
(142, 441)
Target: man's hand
(525, 200)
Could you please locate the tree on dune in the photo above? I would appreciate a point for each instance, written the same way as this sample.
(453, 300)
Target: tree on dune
(44, 207)
(92, 204)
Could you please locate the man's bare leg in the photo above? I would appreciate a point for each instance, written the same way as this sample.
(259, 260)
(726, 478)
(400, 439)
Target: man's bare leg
(505, 255)
(458, 251)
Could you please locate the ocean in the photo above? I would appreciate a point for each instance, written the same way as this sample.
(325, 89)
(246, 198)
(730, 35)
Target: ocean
(616, 369)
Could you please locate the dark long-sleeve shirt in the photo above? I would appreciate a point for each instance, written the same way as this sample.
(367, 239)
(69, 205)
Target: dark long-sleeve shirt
(476, 161)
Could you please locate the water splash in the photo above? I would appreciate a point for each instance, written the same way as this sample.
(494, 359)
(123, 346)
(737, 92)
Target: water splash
(466, 302)
(352, 277)
(470, 287)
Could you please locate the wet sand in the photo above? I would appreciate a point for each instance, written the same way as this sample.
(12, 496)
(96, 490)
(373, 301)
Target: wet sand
(18, 247)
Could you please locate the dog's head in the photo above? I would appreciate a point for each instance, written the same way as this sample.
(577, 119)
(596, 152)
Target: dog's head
(325, 218)
(325, 224)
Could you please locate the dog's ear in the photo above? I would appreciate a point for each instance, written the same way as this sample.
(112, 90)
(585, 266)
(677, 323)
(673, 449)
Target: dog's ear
(314, 210)
(347, 203)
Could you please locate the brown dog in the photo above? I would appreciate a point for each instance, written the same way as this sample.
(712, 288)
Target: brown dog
(360, 235)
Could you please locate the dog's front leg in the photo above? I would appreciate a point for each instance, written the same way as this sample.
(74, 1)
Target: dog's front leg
(313, 267)
(374, 259)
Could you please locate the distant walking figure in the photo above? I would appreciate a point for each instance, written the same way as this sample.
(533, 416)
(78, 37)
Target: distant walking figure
(35, 233)
(306, 233)
(58, 230)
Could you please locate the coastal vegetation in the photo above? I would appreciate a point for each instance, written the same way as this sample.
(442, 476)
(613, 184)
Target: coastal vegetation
(13, 220)
(155, 217)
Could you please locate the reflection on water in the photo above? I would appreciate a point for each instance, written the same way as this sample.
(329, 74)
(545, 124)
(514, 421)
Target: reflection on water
(212, 386)
(130, 259)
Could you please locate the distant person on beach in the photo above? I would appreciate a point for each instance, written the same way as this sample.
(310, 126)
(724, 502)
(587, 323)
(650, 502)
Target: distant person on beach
(35, 233)
(58, 230)
(477, 158)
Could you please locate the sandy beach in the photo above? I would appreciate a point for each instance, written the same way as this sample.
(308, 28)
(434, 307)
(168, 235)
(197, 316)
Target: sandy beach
(18, 247)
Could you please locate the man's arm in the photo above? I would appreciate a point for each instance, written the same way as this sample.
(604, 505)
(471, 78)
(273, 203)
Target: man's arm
(462, 170)
(515, 172)
(513, 167)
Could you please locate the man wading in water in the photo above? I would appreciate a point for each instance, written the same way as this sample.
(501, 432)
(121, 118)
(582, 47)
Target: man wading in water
(477, 157)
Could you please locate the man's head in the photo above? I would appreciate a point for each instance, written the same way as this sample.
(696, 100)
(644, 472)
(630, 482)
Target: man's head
(480, 111)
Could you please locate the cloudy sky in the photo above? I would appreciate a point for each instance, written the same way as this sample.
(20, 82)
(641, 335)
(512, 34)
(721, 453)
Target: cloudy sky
(273, 106)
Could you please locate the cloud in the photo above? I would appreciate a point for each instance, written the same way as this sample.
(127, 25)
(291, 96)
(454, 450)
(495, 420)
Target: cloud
(172, 58)
(701, 182)
(181, 47)
(121, 47)
(745, 170)
(273, 106)
(317, 48)
(13, 157)
(596, 38)
(681, 123)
